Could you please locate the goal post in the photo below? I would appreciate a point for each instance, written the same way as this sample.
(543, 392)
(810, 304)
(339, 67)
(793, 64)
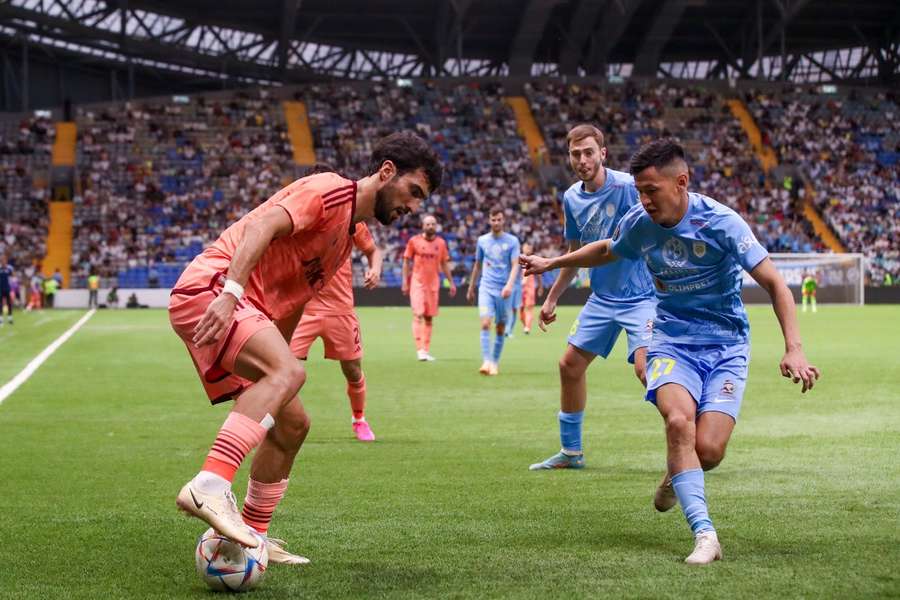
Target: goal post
(841, 277)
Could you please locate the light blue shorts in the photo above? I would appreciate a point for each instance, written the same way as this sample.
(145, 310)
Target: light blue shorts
(600, 321)
(492, 304)
(714, 375)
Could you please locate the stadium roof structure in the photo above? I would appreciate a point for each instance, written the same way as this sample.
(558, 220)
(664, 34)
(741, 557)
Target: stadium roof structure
(290, 41)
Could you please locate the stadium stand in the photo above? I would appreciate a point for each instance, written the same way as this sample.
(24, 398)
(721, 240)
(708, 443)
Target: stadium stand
(722, 161)
(158, 180)
(849, 149)
(25, 146)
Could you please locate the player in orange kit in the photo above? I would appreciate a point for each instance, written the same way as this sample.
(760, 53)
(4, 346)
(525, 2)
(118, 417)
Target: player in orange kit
(238, 303)
(532, 289)
(330, 315)
(428, 252)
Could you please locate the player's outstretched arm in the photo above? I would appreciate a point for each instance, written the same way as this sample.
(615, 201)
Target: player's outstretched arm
(595, 254)
(794, 363)
(257, 237)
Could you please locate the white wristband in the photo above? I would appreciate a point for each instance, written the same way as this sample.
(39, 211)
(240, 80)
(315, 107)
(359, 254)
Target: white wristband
(233, 288)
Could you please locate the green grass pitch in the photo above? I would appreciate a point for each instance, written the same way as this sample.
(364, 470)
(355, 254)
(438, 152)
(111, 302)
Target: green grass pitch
(94, 447)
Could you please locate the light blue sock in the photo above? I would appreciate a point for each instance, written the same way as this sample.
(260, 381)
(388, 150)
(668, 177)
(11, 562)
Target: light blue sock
(689, 489)
(512, 322)
(498, 347)
(485, 344)
(570, 430)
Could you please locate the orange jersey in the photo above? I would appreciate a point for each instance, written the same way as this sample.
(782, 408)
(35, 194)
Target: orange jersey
(336, 298)
(427, 259)
(297, 265)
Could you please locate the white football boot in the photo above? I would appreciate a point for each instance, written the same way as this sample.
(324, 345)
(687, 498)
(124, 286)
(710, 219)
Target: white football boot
(219, 511)
(706, 549)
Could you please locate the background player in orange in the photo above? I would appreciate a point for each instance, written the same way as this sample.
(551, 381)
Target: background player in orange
(238, 303)
(532, 289)
(330, 316)
(428, 252)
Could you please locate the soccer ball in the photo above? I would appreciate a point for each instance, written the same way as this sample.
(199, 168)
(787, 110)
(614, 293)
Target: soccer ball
(229, 567)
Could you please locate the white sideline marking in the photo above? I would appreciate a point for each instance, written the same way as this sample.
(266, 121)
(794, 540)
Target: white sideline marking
(23, 375)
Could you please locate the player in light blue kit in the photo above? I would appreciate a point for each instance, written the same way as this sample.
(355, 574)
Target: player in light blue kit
(516, 304)
(695, 249)
(498, 251)
(621, 293)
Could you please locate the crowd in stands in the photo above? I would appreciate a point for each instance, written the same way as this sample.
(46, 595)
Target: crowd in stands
(473, 131)
(849, 149)
(159, 179)
(722, 161)
(25, 148)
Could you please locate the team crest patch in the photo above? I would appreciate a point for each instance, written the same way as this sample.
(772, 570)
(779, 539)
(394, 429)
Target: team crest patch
(699, 249)
(728, 388)
(610, 209)
(675, 252)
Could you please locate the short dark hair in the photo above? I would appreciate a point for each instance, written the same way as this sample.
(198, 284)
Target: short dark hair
(658, 153)
(408, 152)
(496, 209)
(585, 130)
(320, 167)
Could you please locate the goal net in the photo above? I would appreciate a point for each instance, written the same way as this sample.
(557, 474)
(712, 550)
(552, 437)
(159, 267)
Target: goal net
(839, 277)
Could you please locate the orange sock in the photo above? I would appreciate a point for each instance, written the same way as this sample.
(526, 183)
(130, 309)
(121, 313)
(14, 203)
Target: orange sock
(237, 437)
(426, 326)
(417, 332)
(356, 390)
(260, 503)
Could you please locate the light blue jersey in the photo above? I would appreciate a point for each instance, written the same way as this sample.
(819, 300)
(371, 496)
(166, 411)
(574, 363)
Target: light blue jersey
(496, 254)
(594, 216)
(696, 266)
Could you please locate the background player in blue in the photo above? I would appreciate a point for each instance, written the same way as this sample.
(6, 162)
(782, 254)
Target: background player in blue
(695, 249)
(621, 293)
(499, 253)
(6, 297)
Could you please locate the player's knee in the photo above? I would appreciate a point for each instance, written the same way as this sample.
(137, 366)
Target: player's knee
(710, 455)
(485, 325)
(352, 371)
(569, 369)
(679, 428)
(291, 430)
(501, 328)
(288, 379)
(427, 319)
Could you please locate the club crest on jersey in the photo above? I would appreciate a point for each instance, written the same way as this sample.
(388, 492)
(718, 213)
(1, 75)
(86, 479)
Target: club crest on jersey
(675, 252)
(699, 249)
(610, 210)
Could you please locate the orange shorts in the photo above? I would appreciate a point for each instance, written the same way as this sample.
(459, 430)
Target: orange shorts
(340, 333)
(424, 302)
(215, 362)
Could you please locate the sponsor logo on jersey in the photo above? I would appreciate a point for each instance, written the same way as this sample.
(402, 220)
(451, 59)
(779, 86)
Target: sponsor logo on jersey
(747, 242)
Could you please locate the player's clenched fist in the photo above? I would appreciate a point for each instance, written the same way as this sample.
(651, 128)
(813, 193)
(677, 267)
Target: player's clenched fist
(548, 313)
(534, 264)
(795, 366)
(215, 320)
